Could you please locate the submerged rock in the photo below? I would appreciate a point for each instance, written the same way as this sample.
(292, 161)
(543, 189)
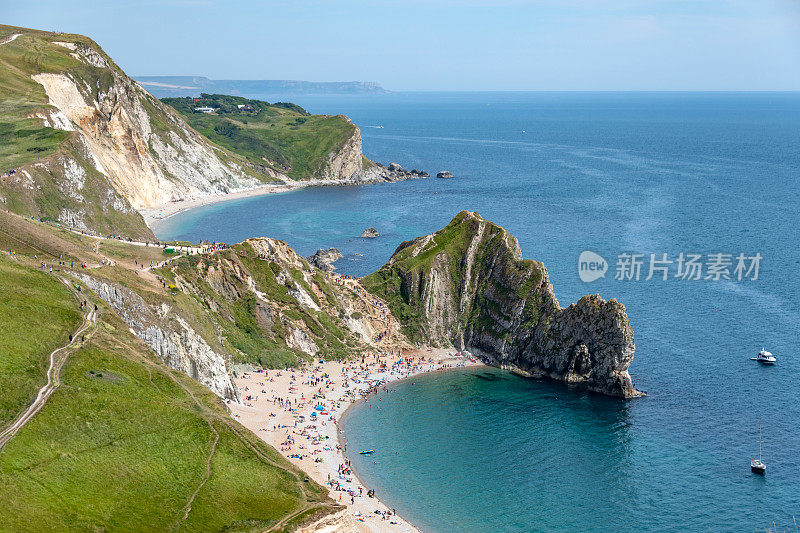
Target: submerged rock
(322, 259)
(370, 233)
(467, 286)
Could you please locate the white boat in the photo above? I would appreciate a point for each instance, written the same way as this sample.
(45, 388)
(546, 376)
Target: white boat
(757, 465)
(764, 357)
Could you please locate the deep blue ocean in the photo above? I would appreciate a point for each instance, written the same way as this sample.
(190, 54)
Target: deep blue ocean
(614, 173)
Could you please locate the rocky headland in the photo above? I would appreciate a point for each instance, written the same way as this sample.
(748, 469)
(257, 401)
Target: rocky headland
(467, 286)
(323, 259)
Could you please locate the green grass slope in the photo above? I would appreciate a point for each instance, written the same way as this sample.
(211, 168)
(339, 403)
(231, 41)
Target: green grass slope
(38, 314)
(281, 136)
(127, 444)
(24, 139)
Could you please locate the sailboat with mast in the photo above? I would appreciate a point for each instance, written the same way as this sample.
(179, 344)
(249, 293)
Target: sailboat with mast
(757, 465)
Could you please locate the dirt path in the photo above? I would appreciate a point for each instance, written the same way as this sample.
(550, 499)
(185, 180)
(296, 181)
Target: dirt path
(10, 39)
(96, 249)
(188, 506)
(53, 380)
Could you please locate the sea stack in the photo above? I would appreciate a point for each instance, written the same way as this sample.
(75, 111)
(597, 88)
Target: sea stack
(444, 174)
(370, 233)
(467, 286)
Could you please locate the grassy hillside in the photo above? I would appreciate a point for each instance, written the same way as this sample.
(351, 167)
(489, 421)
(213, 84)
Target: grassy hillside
(125, 443)
(159, 436)
(281, 136)
(38, 314)
(215, 293)
(23, 139)
(39, 150)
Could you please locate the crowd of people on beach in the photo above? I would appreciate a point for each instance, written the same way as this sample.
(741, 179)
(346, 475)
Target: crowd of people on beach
(298, 410)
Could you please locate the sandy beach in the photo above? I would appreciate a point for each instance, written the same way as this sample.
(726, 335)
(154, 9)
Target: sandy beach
(152, 216)
(278, 407)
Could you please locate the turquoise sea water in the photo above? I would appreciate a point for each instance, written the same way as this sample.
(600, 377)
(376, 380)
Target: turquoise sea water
(613, 173)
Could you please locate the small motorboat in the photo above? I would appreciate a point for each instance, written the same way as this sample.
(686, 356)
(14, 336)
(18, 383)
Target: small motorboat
(367, 452)
(757, 465)
(764, 357)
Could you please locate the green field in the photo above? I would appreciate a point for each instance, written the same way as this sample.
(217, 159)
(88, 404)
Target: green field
(281, 136)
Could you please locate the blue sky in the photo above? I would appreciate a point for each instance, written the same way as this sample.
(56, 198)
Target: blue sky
(446, 44)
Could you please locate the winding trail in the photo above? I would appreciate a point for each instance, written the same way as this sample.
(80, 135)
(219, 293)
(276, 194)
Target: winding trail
(53, 380)
(188, 506)
(10, 39)
(96, 249)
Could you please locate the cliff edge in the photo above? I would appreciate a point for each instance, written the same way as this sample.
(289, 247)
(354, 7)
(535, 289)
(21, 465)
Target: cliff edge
(468, 286)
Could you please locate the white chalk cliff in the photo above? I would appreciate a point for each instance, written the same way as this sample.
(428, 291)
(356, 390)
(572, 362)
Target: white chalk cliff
(147, 152)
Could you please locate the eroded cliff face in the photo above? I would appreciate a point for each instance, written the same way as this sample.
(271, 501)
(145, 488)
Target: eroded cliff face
(346, 163)
(258, 302)
(271, 307)
(468, 286)
(148, 153)
(169, 335)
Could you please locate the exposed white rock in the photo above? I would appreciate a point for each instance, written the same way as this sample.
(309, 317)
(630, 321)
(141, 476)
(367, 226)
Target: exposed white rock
(71, 46)
(360, 327)
(54, 118)
(347, 162)
(73, 219)
(302, 297)
(169, 336)
(299, 340)
(75, 179)
(147, 167)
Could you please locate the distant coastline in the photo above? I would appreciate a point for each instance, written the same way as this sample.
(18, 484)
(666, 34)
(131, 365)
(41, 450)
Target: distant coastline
(164, 86)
